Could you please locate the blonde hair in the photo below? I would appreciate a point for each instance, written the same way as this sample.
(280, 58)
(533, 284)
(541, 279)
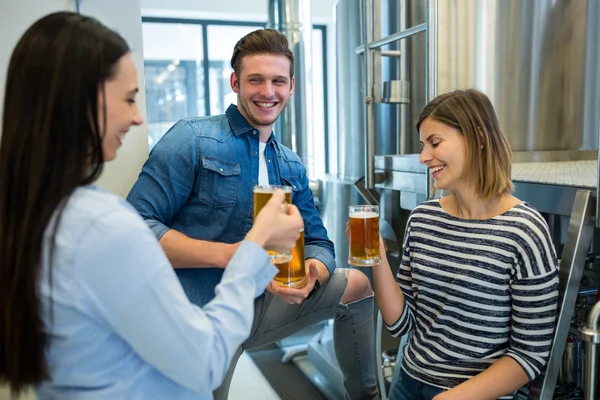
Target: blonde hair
(487, 154)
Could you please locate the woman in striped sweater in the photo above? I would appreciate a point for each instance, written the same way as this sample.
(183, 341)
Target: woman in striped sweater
(478, 284)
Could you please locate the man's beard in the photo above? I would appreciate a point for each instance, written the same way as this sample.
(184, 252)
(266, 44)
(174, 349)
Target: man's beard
(253, 120)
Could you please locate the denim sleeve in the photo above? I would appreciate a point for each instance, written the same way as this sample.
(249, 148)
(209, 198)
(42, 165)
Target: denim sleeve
(317, 243)
(167, 178)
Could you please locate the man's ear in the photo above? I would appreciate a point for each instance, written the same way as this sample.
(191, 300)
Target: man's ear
(293, 85)
(234, 82)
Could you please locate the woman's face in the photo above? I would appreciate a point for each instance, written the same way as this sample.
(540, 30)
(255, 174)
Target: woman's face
(443, 151)
(121, 109)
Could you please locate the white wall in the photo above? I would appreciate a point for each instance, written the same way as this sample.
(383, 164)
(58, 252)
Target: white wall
(123, 16)
(15, 17)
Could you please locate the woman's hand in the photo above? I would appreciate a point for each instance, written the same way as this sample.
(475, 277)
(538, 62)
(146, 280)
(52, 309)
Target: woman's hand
(276, 227)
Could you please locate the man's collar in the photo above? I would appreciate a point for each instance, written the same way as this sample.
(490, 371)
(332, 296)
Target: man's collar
(238, 122)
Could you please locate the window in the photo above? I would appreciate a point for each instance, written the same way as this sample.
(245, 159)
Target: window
(221, 40)
(173, 67)
(187, 69)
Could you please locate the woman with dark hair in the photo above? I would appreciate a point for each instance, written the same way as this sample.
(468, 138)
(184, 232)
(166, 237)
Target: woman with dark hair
(89, 304)
(477, 286)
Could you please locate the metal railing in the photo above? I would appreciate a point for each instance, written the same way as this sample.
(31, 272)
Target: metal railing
(370, 49)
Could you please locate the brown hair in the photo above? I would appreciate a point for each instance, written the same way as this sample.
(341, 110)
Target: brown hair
(261, 41)
(50, 145)
(488, 154)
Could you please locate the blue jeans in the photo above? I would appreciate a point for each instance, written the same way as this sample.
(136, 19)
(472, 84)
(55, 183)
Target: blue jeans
(407, 388)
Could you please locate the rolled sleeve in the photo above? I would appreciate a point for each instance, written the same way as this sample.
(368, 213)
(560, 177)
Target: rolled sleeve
(157, 227)
(321, 254)
(402, 325)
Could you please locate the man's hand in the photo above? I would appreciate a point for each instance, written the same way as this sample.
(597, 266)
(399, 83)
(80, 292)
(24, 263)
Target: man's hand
(297, 296)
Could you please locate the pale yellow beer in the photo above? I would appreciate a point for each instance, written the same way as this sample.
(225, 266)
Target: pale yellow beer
(292, 274)
(262, 194)
(363, 234)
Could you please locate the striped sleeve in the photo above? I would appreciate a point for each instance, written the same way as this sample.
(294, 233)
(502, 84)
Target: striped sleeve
(534, 299)
(404, 279)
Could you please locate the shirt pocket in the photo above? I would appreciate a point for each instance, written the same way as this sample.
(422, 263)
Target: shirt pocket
(218, 182)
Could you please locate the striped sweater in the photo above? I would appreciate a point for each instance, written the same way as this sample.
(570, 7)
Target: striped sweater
(475, 291)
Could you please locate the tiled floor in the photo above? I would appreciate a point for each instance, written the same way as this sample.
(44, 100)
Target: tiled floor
(248, 384)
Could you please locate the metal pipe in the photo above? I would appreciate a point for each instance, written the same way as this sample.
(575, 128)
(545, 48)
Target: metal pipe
(431, 79)
(591, 336)
(369, 100)
(384, 53)
(403, 144)
(398, 36)
(392, 38)
(594, 317)
(391, 53)
(589, 387)
(587, 292)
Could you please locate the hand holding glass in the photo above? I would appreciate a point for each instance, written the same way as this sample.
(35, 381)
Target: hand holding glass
(363, 234)
(262, 194)
(291, 264)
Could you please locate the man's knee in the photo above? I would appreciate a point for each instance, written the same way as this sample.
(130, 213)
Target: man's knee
(358, 287)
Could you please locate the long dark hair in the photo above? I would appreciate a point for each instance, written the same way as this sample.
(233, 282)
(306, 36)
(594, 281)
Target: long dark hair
(50, 145)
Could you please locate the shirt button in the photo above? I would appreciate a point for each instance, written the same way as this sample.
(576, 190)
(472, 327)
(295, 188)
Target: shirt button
(269, 161)
(255, 132)
(221, 169)
(255, 153)
(293, 186)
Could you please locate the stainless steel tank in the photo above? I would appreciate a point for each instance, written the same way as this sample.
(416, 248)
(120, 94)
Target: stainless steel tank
(294, 128)
(536, 60)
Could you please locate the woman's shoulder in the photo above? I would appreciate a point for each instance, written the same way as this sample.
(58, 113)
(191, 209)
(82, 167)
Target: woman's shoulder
(91, 208)
(524, 213)
(427, 207)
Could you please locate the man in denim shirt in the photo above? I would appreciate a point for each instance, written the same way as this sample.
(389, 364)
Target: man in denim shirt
(195, 192)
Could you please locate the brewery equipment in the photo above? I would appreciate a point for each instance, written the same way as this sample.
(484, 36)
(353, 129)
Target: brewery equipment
(539, 64)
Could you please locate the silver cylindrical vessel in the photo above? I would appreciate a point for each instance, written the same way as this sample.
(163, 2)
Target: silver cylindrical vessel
(294, 127)
(536, 60)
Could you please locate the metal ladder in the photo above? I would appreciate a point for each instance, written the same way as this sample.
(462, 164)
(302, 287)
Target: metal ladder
(572, 262)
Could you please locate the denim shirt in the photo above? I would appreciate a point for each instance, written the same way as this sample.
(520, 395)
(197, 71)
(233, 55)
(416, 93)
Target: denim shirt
(199, 179)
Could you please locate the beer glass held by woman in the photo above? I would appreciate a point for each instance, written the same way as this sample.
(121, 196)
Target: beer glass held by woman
(89, 305)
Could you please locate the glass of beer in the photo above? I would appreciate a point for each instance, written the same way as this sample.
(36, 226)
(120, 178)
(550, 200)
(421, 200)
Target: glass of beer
(262, 194)
(292, 274)
(363, 234)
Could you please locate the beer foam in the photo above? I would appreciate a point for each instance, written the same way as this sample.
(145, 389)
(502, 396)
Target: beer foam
(364, 214)
(269, 190)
